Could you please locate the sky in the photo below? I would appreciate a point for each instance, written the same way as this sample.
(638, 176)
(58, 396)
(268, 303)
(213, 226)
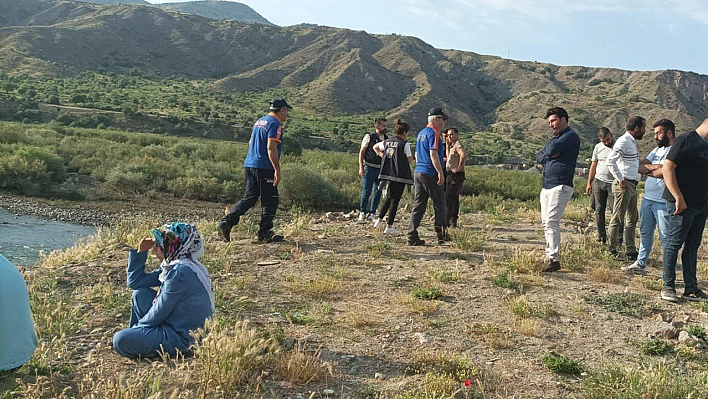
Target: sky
(625, 34)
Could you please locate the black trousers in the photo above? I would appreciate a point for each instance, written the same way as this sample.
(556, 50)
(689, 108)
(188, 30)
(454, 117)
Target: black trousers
(426, 186)
(453, 185)
(395, 192)
(259, 183)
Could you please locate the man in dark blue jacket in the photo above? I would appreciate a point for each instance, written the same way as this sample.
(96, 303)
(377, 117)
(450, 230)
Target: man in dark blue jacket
(558, 158)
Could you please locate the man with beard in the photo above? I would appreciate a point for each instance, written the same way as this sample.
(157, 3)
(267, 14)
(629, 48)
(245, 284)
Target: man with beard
(653, 209)
(623, 163)
(685, 171)
(600, 180)
(558, 158)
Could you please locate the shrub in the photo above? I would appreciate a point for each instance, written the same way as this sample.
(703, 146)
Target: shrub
(305, 187)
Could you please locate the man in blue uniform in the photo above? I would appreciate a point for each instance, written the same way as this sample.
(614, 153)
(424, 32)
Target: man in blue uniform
(429, 179)
(262, 169)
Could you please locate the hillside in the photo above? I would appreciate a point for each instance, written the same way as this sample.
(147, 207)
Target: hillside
(116, 1)
(331, 71)
(216, 9)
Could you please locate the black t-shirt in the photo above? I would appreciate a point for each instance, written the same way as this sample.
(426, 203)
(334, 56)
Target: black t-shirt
(690, 154)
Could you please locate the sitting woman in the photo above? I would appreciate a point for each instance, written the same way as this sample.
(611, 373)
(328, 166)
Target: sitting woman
(162, 320)
(17, 337)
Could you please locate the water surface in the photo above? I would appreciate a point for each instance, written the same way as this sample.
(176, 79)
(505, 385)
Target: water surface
(23, 237)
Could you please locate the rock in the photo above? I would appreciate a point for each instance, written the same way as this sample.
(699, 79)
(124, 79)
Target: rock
(379, 376)
(677, 324)
(662, 330)
(688, 339)
(348, 358)
(276, 318)
(328, 392)
(289, 343)
(664, 316)
(421, 337)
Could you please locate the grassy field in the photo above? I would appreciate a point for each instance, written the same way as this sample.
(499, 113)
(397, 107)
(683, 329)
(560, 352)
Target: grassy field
(339, 310)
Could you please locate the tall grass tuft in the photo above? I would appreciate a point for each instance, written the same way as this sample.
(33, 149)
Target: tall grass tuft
(229, 360)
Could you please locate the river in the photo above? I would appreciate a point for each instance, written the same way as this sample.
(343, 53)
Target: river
(23, 237)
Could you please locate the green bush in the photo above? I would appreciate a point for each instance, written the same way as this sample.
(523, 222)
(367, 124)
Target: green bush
(305, 187)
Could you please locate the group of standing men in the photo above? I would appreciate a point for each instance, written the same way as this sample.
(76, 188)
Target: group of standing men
(438, 176)
(675, 199)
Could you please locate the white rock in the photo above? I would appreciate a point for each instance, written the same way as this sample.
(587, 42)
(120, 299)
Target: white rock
(379, 376)
(421, 337)
(328, 392)
(688, 339)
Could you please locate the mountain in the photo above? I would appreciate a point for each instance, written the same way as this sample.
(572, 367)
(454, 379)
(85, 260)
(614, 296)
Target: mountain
(218, 9)
(116, 1)
(339, 71)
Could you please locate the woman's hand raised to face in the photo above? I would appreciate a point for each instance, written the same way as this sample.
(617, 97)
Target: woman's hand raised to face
(146, 244)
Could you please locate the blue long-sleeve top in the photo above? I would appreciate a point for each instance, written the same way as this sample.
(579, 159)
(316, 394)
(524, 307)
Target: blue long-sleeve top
(559, 158)
(181, 305)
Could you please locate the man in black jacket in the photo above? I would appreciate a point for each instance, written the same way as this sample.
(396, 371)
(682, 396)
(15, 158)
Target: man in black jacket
(558, 157)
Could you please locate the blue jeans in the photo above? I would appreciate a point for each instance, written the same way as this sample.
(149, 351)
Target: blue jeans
(370, 181)
(685, 228)
(653, 214)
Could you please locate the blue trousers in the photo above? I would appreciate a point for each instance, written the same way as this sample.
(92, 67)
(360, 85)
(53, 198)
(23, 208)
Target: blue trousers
(370, 182)
(685, 228)
(141, 341)
(652, 214)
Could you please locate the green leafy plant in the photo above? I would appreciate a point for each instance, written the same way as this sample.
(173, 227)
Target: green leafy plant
(562, 365)
(427, 293)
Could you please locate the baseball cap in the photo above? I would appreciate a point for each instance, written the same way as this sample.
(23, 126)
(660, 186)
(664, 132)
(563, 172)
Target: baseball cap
(437, 112)
(278, 103)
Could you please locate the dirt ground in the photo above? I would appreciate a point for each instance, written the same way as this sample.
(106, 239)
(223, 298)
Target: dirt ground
(349, 290)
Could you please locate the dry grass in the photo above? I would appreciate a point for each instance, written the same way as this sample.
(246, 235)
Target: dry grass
(414, 305)
(321, 287)
(527, 327)
(301, 366)
(604, 274)
(523, 309)
(495, 337)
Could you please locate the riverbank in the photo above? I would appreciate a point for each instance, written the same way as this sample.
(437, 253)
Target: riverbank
(341, 310)
(105, 213)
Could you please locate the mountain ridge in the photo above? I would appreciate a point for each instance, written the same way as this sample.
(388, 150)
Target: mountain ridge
(337, 71)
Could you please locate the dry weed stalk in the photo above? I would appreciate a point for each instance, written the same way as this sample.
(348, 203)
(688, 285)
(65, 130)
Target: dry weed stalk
(300, 366)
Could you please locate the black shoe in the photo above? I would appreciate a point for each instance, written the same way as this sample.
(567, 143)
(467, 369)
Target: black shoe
(695, 296)
(632, 256)
(224, 231)
(443, 238)
(270, 237)
(602, 240)
(416, 242)
(551, 266)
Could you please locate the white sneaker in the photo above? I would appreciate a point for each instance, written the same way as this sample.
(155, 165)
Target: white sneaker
(362, 218)
(635, 268)
(377, 223)
(370, 217)
(391, 231)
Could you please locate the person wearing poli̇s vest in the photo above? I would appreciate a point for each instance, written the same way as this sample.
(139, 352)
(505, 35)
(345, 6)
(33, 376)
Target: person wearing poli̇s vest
(396, 156)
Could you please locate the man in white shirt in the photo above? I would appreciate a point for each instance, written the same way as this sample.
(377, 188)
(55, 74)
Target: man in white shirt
(653, 211)
(600, 180)
(623, 163)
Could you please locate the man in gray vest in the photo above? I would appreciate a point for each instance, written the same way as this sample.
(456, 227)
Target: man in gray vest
(369, 167)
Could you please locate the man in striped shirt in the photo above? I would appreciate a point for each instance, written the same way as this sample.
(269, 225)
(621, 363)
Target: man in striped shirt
(623, 163)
